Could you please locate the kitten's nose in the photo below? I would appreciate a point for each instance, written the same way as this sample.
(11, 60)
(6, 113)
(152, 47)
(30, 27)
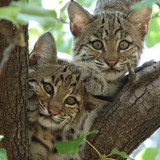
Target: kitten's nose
(111, 63)
(52, 112)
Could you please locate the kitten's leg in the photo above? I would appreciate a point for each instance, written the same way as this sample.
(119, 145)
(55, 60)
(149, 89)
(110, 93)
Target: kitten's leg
(32, 108)
(32, 115)
(132, 75)
(93, 80)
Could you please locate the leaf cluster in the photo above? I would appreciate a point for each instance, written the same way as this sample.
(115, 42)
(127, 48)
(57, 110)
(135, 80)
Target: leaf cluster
(21, 12)
(72, 147)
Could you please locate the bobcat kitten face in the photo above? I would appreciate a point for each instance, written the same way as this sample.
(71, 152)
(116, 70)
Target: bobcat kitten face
(60, 94)
(108, 40)
(59, 108)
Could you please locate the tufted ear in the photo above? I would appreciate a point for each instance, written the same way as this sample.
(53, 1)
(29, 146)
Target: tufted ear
(140, 20)
(44, 51)
(93, 102)
(79, 18)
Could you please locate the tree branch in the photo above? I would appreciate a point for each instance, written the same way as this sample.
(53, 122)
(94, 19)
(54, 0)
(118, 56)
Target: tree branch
(132, 118)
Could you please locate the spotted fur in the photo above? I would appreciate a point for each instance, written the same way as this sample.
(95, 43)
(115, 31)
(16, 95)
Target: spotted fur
(110, 39)
(60, 108)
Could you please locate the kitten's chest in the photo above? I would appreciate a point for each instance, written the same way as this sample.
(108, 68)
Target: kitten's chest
(113, 88)
(43, 141)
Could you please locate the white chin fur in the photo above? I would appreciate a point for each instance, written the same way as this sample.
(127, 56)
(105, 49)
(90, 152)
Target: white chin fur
(49, 122)
(110, 76)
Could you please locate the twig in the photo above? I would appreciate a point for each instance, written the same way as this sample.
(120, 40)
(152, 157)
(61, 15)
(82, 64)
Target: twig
(94, 148)
(59, 17)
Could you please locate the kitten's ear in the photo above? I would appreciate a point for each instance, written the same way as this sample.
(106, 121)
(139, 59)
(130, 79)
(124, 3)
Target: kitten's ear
(79, 18)
(44, 51)
(141, 20)
(94, 102)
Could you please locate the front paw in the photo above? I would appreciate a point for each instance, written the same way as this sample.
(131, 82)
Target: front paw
(32, 116)
(95, 88)
(132, 75)
(32, 110)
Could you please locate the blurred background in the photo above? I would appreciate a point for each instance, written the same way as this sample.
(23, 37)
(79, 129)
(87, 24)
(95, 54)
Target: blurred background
(150, 149)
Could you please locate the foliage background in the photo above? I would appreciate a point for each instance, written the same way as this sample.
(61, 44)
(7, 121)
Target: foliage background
(61, 30)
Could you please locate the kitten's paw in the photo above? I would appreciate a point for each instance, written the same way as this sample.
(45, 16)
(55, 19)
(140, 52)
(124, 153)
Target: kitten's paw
(132, 75)
(32, 109)
(95, 88)
(32, 115)
(93, 80)
(95, 83)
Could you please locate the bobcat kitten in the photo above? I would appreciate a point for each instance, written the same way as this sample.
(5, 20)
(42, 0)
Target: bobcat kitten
(60, 108)
(109, 40)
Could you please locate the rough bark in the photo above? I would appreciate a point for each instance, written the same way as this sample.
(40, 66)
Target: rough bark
(13, 91)
(132, 117)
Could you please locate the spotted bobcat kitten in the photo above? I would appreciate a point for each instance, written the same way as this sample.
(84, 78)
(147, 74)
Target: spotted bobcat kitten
(60, 108)
(110, 39)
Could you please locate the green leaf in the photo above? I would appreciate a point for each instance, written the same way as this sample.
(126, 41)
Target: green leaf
(1, 137)
(35, 2)
(29, 12)
(147, 3)
(122, 154)
(72, 146)
(153, 35)
(138, 5)
(149, 154)
(86, 3)
(9, 13)
(22, 12)
(3, 154)
(84, 135)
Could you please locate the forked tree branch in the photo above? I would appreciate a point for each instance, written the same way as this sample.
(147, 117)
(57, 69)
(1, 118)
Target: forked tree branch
(133, 117)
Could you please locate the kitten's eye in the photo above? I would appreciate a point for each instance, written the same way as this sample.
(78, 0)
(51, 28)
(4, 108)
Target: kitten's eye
(71, 100)
(123, 45)
(97, 45)
(48, 88)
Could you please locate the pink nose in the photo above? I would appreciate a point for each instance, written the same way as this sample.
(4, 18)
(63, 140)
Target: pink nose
(111, 63)
(52, 112)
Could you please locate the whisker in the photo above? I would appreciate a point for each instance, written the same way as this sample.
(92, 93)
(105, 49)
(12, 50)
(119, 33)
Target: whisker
(99, 63)
(41, 108)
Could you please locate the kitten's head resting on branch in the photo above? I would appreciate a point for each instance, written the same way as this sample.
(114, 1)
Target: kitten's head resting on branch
(62, 97)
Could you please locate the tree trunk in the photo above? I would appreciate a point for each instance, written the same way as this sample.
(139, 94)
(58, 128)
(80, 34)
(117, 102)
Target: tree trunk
(132, 117)
(13, 99)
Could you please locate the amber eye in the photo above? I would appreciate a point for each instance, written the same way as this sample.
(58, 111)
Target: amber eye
(71, 100)
(97, 45)
(48, 88)
(123, 45)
